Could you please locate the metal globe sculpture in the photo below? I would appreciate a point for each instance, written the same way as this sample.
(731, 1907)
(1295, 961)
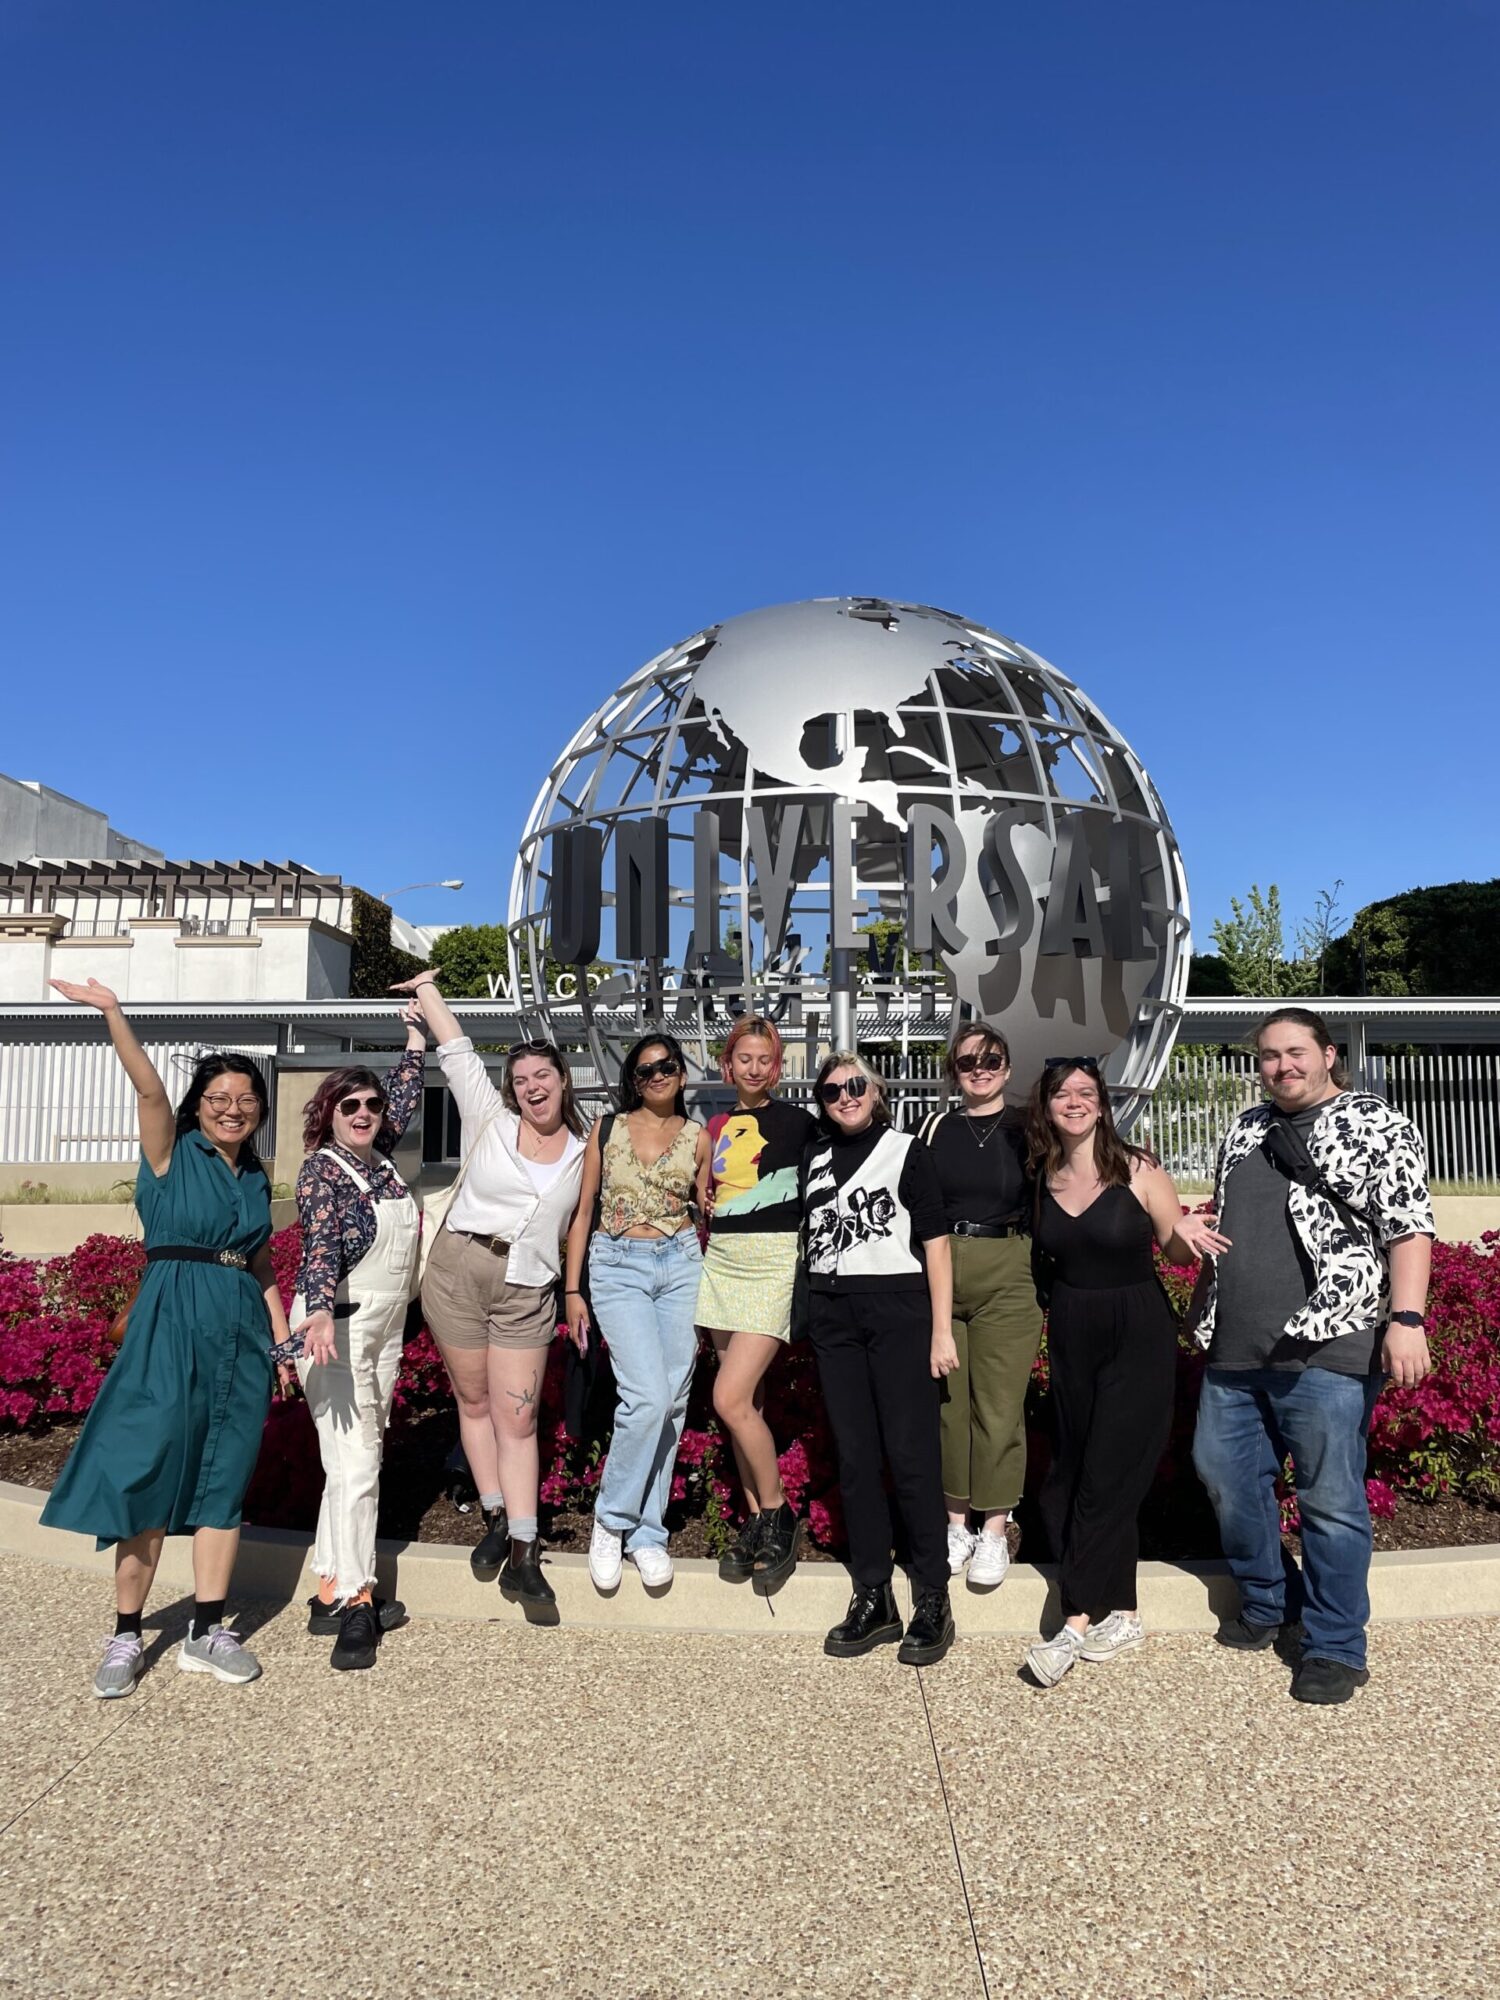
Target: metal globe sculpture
(764, 792)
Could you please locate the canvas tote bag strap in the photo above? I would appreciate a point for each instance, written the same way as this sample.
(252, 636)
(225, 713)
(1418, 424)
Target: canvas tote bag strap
(435, 1208)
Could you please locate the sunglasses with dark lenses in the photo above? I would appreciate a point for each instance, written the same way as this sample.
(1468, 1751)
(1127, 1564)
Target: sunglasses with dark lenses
(349, 1105)
(990, 1060)
(665, 1066)
(1072, 1062)
(853, 1087)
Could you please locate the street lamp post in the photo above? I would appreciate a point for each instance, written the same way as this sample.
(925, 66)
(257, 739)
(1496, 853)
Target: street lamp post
(455, 882)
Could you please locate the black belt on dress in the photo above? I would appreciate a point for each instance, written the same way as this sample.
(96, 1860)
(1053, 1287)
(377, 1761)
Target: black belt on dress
(194, 1253)
(1011, 1228)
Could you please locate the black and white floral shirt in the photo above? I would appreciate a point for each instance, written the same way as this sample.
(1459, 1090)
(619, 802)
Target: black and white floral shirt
(1374, 1159)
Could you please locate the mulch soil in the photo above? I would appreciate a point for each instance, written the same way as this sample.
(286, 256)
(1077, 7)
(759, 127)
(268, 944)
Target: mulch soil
(414, 1504)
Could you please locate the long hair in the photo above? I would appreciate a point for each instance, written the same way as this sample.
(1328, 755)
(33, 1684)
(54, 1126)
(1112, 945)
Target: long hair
(1317, 1027)
(317, 1114)
(630, 1094)
(550, 1053)
(763, 1031)
(207, 1070)
(1113, 1158)
(880, 1110)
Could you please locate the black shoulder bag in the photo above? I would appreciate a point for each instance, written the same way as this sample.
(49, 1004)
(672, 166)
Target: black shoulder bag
(1287, 1150)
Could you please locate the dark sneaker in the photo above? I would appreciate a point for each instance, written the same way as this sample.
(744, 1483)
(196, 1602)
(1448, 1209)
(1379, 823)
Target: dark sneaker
(871, 1620)
(1243, 1635)
(738, 1559)
(1327, 1681)
(776, 1557)
(485, 1560)
(522, 1582)
(323, 1619)
(930, 1633)
(358, 1641)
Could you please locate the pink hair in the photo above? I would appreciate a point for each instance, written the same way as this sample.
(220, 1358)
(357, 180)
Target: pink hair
(763, 1030)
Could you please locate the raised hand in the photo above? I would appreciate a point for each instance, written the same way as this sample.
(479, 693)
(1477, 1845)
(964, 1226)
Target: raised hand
(427, 978)
(92, 993)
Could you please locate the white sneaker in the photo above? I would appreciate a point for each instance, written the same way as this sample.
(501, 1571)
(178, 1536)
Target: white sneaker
(654, 1564)
(990, 1561)
(605, 1556)
(1050, 1659)
(960, 1547)
(1112, 1636)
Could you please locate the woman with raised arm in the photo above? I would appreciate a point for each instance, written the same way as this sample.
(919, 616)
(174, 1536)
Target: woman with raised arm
(745, 1296)
(490, 1287)
(359, 1258)
(172, 1439)
(1112, 1347)
(642, 1169)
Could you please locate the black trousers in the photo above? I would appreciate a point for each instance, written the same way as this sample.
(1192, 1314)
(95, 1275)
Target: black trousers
(874, 1362)
(1113, 1358)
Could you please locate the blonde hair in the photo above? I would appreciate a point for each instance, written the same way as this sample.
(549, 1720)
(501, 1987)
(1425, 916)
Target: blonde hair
(852, 1059)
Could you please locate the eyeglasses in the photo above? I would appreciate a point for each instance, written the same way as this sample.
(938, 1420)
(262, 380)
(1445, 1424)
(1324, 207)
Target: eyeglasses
(667, 1066)
(221, 1102)
(1072, 1062)
(990, 1060)
(852, 1086)
(349, 1105)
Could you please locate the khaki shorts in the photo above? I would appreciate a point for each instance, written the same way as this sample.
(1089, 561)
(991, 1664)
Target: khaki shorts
(467, 1302)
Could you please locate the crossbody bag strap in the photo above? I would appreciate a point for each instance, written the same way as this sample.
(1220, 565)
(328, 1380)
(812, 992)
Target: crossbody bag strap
(1313, 1178)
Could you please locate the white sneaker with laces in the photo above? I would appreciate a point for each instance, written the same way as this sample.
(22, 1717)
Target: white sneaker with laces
(1050, 1659)
(1113, 1635)
(991, 1560)
(605, 1556)
(960, 1547)
(654, 1564)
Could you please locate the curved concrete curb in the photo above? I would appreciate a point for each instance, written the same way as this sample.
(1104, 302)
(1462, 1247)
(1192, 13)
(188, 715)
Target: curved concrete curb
(434, 1581)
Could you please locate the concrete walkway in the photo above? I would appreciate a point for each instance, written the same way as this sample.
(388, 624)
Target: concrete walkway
(500, 1811)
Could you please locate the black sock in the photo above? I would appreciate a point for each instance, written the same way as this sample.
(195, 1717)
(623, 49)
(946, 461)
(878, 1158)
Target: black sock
(127, 1622)
(207, 1612)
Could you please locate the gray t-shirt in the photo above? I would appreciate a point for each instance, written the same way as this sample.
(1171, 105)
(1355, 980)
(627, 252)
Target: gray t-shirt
(1267, 1277)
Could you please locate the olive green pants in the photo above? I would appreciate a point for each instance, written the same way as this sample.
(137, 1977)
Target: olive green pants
(997, 1327)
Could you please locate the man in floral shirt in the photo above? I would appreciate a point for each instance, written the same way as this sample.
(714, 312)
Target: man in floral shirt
(1322, 1197)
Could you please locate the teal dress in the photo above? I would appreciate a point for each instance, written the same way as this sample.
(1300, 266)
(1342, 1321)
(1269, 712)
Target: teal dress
(174, 1434)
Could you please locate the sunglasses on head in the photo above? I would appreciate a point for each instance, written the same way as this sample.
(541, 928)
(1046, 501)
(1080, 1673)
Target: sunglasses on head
(853, 1087)
(990, 1059)
(1072, 1062)
(349, 1105)
(664, 1066)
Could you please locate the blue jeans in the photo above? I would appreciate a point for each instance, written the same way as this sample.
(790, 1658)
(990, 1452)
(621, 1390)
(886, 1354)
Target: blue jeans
(1248, 1421)
(644, 1292)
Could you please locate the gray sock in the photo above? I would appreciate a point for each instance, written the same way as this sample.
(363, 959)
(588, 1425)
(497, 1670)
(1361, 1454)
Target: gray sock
(523, 1527)
(491, 1502)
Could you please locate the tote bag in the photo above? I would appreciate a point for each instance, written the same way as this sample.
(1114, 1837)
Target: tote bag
(435, 1208)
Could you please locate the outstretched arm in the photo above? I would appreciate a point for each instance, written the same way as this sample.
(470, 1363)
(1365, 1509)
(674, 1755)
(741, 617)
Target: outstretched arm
(153, 1106)
(438, 1015)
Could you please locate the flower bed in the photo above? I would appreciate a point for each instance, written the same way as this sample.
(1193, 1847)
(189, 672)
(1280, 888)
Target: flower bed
(1437, 1442)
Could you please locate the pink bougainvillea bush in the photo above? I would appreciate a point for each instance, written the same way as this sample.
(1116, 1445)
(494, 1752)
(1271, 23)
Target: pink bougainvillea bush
(1440, 1439)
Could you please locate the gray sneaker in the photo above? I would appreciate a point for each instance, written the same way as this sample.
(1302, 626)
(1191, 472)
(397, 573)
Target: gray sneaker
(1050, 1659)
(120, 1669)
(219, 1653)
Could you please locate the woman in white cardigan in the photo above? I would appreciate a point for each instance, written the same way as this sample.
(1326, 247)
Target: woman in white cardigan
(489, 1290)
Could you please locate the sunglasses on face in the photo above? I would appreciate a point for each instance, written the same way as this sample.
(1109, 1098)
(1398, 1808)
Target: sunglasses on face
(990, 1061)
(666, 1066)
(854, 1087)
(219, 1103)
(349, 1105)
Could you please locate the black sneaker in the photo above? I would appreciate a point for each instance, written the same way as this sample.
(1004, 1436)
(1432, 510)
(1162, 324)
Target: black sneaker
(522, 1582)
(1243, 1635)
(776, 1557)
(358, 1641)
(738, 1560)
(323, 1619)
(1327, 1681)
(871, 1620)
(930, 1633)
(486, 1558)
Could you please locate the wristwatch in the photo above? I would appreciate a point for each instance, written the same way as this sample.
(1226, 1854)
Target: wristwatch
(1408, 1319)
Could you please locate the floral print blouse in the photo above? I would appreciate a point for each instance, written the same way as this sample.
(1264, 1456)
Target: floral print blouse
(338, 1222)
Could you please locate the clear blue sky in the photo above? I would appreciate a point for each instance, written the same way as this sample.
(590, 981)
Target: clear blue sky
(383, 383)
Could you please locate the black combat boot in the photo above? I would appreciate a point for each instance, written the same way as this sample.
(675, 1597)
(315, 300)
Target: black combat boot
(522, 1582)
(739, 1559)
(485, 1560)
(930, 1632)
(776, 1557)
(871, 1620)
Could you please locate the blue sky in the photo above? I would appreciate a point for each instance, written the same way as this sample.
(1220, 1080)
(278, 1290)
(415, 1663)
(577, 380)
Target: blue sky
(382, 384)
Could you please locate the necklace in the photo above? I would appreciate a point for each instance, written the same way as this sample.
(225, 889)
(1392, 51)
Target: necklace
(993, 1120)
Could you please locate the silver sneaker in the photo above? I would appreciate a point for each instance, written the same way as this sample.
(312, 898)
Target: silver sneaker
(120, 1669)
(1116, 1634)
(219, 1653)
(990, 1561)
(960, 1547)
(1050, 1659)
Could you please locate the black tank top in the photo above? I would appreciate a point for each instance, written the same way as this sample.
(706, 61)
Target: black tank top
(1107, 1246)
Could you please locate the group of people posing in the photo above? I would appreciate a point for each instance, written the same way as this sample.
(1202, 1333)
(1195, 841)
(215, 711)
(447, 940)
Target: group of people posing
(918, 1265)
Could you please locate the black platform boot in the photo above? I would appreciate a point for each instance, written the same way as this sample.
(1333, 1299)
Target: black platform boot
(522, 1582)
(486, 1559)
(776, 1557)
(930, 1632)
(739, 1559)
(871, 1620)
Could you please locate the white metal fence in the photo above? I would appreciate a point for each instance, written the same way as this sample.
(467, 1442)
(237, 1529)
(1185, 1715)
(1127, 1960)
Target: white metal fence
(71, 1102)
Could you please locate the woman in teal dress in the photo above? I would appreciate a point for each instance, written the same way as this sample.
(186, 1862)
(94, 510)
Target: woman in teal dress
(171, 1442)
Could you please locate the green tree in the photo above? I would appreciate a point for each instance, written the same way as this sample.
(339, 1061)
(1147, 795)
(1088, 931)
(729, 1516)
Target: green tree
(375, 964)
(1252, 946)
(1441, 940)
(466, 958)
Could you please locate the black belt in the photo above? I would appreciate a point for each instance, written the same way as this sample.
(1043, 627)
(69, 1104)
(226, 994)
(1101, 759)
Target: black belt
(1012, 1228)
(498, 1244)
(193, 1253)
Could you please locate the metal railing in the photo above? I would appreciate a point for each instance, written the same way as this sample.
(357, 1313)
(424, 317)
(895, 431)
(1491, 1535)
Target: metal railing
(97, 927)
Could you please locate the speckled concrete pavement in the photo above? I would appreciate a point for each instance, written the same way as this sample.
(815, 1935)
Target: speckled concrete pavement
(497, 1811)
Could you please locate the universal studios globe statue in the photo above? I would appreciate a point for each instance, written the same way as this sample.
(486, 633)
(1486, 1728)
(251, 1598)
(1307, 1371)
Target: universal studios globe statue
(726, 830)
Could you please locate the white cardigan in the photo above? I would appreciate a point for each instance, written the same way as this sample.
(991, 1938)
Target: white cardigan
(499, 1197)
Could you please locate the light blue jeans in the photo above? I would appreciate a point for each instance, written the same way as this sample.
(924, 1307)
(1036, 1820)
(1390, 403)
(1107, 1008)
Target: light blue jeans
(644, 1292)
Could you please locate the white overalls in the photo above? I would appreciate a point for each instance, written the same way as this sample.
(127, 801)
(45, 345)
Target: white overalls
(350, 1396)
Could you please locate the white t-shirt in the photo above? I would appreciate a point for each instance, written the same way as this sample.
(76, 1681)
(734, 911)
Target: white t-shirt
(544, 1172)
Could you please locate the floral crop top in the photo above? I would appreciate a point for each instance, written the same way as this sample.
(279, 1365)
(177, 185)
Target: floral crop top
(656, 1197)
